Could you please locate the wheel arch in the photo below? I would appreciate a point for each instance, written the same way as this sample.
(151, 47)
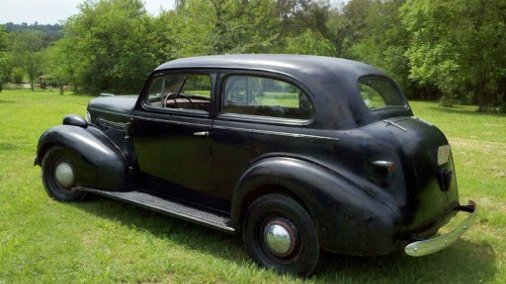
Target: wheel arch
(273, 175)
(42, 149)
(261, 190)
(334, 203)
(98, 162)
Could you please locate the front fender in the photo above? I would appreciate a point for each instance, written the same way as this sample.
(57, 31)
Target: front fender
(97, 161)
(351, 218)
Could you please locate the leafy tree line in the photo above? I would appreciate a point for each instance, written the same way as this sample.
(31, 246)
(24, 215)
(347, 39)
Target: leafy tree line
(436, 49)
(51, 32)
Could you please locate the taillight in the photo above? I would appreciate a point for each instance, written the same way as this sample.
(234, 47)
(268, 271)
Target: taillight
(444, 178)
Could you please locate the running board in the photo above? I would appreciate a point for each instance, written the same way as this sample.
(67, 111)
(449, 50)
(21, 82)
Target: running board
(170, 208)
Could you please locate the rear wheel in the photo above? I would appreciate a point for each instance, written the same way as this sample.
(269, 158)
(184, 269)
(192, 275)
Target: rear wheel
(58, 175)
(279, 233)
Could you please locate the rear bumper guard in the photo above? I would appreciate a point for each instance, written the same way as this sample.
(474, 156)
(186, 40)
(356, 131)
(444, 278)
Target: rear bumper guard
(430, 246)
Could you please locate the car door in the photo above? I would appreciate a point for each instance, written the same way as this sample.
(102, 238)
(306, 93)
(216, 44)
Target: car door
(171, 130)
(260, 113)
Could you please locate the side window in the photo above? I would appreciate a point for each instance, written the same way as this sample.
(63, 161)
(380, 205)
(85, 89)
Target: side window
(180, 91)
(378, 93)
(371, 97)
(263, 96)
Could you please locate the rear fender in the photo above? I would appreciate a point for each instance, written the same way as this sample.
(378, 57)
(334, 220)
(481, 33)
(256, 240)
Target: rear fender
(350, 218)
(97, 161)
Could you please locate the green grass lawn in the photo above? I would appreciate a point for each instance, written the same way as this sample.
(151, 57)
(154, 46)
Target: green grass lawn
(101, 240)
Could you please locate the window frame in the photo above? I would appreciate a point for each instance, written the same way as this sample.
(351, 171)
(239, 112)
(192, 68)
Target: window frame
(221, 114)
(145, 106)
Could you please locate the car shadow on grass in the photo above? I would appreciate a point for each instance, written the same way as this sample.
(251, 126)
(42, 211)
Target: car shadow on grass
(464, 261)
(187, 234)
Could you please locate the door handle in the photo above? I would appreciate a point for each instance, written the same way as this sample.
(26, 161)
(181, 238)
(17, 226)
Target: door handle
(201, 133)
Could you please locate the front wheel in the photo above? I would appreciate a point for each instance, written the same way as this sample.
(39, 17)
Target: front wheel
(58, 176)
(279, 233)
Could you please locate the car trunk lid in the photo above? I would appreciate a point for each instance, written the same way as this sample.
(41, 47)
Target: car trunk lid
(430, 174)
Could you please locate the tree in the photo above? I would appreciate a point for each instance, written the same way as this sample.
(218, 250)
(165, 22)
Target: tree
(383, 42)
(348, 25)
(225, 26)
(4, 70)
(17, 75)
(310, 42)
(460, 47)
(454, 49)
(55, 66)
(25, 49)
(188, 31)
(107, 46)
(244, 27)
(297, 16)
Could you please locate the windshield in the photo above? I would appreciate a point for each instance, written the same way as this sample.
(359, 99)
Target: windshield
(378, 93)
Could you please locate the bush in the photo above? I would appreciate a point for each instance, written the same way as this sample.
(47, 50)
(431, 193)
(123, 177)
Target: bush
(17, 75)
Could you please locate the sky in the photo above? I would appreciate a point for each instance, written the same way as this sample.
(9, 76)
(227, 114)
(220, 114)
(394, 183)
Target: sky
(55, 11)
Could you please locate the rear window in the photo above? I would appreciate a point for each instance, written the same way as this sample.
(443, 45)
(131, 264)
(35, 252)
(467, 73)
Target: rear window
(378, 93)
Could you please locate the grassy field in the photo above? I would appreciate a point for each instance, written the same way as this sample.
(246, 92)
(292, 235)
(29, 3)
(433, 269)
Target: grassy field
(101, 240)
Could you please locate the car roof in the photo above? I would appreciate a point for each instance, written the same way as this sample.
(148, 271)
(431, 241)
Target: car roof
(290, 64)
(330, 82)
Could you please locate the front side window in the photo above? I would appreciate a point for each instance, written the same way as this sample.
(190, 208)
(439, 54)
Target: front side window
(378, 93)
(261, 96)
(180, 91)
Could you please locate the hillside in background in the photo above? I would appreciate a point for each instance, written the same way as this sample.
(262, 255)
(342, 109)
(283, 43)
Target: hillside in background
(52, 32)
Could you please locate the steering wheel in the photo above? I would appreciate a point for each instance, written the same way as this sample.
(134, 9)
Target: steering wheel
(174, 97)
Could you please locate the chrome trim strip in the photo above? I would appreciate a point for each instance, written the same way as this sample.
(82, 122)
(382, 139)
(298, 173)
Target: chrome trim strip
(133, 116)
(430, 246)
(168, 121)
(295, 135)
(201, 133)
(251, 118)
(389, 122)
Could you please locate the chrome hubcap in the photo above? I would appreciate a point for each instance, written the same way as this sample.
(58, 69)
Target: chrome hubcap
(64, 175)
(280, 238)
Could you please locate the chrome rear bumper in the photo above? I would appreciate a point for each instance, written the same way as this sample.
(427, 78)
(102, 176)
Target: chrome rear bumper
(425, 247)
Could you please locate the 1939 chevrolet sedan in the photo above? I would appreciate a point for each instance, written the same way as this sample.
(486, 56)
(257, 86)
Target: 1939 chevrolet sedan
(296, 153)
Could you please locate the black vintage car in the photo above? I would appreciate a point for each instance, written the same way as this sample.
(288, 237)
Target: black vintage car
(296, 153)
